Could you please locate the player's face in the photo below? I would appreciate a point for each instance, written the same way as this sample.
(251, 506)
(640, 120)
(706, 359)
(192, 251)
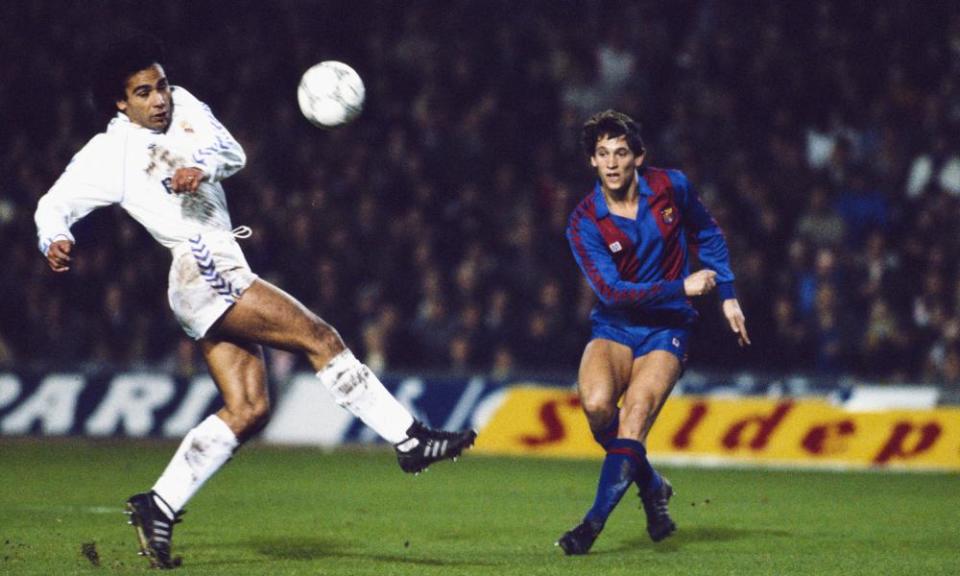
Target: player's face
(616, 163)
(147, 100)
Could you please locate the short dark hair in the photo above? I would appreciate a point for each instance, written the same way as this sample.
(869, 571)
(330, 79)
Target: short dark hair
(120, 59)
(611, 123)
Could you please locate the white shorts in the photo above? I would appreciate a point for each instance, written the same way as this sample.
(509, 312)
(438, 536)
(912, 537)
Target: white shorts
(207, 277)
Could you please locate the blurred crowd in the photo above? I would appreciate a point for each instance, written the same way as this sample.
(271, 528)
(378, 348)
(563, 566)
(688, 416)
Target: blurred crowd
(823, 136)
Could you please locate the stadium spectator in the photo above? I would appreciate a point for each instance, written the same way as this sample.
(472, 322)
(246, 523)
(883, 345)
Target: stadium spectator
(884, 343)
(7, 358)
(819, 225)
(792, 341)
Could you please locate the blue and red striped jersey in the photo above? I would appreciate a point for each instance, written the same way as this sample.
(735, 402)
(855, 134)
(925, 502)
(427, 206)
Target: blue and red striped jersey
(637, 266)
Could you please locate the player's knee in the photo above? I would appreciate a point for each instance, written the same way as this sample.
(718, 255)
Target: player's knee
(598, 406)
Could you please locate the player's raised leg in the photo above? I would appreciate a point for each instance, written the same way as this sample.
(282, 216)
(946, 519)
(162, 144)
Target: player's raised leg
(239, 372)
(653, 377)
(269, 315)
(604, 372)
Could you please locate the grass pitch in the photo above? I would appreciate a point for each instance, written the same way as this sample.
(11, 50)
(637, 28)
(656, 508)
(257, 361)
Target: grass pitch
(300, 511)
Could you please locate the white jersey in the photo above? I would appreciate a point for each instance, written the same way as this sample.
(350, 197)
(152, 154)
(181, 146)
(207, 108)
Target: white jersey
(132, 166)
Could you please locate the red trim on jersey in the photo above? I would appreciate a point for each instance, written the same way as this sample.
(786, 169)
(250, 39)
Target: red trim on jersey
(587, 209)
(665, 213)
(625, 258)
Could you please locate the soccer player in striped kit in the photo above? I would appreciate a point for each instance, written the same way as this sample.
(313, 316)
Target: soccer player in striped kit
(631, 237)
(162, 159)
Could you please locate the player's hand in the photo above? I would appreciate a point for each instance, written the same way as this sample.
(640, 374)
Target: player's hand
(58, 255)
(700, 282)
(187, 180)
(738, 322)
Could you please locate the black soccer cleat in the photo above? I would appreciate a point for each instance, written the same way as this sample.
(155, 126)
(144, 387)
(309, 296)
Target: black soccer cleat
(579, 540)
(659, 523)
(424, 446)
(154, 530)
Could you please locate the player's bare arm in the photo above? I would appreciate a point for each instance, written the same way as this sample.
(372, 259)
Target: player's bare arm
(58, 255)
(737, 321)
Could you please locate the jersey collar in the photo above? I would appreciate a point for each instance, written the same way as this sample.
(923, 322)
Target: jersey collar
(600, 201)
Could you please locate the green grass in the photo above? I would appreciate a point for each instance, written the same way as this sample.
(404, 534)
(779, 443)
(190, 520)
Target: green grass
(300, 511)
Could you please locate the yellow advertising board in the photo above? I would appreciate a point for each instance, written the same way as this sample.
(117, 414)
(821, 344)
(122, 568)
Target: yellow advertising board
(807, 432)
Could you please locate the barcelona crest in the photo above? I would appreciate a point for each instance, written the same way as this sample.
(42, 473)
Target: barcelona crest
(667, 215)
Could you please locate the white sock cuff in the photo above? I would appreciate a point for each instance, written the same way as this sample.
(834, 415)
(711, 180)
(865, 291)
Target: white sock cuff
(215, 427)
(355, 387)
(336, 366)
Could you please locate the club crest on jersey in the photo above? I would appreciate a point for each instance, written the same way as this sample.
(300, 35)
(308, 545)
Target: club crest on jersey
(615, 247)
(667, 215)
(186, 127)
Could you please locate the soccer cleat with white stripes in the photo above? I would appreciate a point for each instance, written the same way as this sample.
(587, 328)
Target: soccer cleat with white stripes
(424, 446)
(154, 529)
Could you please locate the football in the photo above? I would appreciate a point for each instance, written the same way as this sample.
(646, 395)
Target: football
(331, 94)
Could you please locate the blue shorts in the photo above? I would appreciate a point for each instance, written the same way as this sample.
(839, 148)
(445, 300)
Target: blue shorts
(645, 339)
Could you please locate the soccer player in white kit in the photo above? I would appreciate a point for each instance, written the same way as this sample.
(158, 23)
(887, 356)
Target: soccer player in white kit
(163, 158)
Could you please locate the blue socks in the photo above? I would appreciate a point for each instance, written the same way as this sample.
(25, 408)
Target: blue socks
(616, 475)
(626, 462)
(646, 477)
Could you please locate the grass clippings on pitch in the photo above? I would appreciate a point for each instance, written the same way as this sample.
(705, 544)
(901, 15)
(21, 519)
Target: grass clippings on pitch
(302, 511)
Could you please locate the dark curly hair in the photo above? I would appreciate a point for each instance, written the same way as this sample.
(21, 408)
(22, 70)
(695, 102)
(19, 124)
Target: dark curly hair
(119, 60)
(611, 123)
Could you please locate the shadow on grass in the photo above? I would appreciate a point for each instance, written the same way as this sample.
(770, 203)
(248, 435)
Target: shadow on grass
(318, 549)
(691, 535)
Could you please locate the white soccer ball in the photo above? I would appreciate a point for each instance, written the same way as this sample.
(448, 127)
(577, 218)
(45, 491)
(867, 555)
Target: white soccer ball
(331, 94)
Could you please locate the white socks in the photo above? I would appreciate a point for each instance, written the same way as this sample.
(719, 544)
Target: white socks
(210, 444)
(202, 452)
(358, 390)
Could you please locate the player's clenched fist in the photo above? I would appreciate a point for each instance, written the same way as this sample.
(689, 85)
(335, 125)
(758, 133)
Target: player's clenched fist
(187, 180)
(58, 255)
(700, 282)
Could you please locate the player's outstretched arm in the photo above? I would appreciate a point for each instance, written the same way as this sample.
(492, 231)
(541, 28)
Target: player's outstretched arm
(737, 321)
(58, 255)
